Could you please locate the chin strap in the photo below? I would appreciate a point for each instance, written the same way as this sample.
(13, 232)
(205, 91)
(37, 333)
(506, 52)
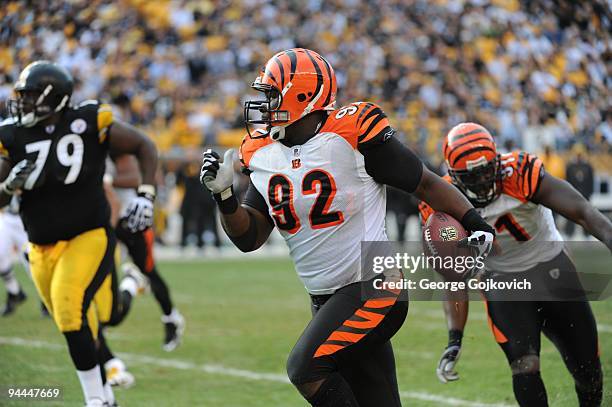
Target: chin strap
(277, 133)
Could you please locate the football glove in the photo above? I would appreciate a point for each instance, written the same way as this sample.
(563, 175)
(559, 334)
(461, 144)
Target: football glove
(138, 215)
(217, 176)
(17, 177)
(446, 367)
(481, 238)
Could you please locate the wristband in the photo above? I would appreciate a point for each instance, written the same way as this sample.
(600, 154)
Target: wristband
(472, 221)
(226, 201)
(147, 191)
(454, 337)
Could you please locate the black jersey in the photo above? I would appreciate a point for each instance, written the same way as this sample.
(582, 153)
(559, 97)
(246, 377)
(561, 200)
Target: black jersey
(64, 196)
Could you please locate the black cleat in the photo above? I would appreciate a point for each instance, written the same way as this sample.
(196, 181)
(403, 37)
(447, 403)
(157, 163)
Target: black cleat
(12, 300)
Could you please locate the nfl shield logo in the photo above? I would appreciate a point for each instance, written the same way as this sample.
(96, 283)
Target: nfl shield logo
(448, 234)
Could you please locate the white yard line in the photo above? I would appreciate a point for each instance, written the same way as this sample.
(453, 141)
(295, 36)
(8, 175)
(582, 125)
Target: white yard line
(241, 373)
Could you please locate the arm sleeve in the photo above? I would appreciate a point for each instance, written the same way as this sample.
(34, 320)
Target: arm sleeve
(531, 171)
(389, 162)
(105, 119)
(253, 199)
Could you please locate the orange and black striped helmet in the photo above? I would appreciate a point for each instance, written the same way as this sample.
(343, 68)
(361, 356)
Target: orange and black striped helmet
(473, 162)
(296, 82)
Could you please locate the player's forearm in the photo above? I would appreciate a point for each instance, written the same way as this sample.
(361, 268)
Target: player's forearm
(442, 196)
(147, 160)
(456, 309)
(595, 223)
(242, 225)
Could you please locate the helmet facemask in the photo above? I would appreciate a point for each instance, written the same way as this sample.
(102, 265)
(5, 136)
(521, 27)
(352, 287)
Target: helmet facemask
(266, 112)
(480, 184)
(30, 107)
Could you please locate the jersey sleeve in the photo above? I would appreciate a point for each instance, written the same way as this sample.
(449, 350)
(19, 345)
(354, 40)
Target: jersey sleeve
(523, 173)
(104, 118)
(249, 146)
(362, 124)
(97, 114)
(373, 126)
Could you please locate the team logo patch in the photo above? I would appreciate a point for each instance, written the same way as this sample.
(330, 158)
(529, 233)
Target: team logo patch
(78, 126)
(448, 234)
(296, 163)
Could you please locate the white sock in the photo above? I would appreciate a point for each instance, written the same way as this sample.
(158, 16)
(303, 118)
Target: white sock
(172, 317)
(91, 383)
(108, 392)
(129, 284)
(10, 282)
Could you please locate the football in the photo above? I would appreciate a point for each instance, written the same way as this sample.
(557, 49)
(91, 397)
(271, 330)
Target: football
(441, 235)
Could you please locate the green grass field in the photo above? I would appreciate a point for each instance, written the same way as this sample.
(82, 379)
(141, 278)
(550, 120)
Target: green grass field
(243, 317)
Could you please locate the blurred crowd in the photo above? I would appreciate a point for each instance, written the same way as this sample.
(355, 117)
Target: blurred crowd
(536, 73)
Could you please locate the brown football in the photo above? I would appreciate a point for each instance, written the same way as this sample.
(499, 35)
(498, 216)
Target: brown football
(441, 234)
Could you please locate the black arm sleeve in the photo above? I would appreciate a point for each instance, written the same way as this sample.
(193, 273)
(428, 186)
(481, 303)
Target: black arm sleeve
(392, 163)
(253, 199)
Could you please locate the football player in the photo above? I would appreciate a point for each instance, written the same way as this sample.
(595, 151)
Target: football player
(124, 177)
(13, 240)
(318, 174)
(53, 155)
(514, 193)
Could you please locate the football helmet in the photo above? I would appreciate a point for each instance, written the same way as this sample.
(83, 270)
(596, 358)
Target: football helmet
(473, 162)
(42, 89)
(295, 82)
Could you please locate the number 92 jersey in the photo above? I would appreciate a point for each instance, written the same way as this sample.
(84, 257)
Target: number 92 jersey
(320, 196)
(63, 197)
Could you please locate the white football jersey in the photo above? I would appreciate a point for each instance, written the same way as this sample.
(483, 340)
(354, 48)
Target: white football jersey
(525, 230)
(320, 196)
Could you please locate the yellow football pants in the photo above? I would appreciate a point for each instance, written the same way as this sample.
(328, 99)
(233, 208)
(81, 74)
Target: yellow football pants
(74, 279)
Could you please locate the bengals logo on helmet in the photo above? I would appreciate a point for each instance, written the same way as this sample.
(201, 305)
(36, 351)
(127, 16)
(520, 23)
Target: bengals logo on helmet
(296, 82)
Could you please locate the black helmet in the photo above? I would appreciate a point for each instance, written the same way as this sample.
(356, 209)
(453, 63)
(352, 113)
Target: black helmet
(43, 88)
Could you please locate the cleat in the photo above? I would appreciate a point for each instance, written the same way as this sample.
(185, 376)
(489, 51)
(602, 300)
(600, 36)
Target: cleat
(174, 326)
(12, 300)
(117, 374)
(131, 271)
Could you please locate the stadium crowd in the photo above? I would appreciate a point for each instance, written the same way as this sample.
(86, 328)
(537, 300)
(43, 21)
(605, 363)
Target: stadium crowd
(535, 71)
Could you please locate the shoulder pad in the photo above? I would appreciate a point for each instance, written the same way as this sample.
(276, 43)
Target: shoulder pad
(359, 123)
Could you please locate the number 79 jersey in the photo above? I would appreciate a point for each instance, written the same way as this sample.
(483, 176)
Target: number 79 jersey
(320, 196)
(63, 197)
